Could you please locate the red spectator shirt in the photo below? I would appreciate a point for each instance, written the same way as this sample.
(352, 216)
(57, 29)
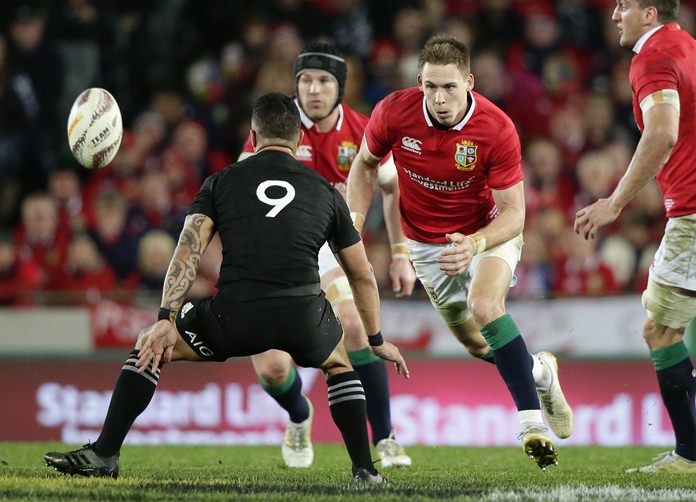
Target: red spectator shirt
(667, 61)
(445, 176)
(329, 153)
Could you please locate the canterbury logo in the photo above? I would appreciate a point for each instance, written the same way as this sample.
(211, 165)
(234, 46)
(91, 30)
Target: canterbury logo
(304, 152)
(185, 309)
(411, 144)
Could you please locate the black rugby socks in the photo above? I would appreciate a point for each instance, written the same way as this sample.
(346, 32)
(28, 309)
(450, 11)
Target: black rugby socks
(289, 396)
(347, 405)
(513, 361)
(133, 392)
(675, 374)
(373, 375)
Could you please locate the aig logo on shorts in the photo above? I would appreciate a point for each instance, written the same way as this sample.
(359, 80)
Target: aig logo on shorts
(411, 144)
(185, 309)
(198, 345)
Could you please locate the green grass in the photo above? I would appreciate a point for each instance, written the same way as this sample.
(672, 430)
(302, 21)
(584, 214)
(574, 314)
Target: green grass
(157, 473)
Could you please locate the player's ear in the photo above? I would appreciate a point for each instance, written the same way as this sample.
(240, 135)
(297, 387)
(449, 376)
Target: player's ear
(254, 139)
(470, 82)
(299, 140)
(419, 79)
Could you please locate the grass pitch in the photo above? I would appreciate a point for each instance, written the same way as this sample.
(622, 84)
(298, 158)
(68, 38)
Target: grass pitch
(157, 473)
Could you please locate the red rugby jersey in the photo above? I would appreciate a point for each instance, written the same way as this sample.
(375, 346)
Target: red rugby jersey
(667, 61)
(445, 176)
(329, 153)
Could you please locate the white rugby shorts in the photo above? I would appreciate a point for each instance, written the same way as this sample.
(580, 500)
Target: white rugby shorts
(675, 260)
(448, 294)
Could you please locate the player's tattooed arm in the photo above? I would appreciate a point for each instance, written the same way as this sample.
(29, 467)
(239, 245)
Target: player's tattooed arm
(194, 239)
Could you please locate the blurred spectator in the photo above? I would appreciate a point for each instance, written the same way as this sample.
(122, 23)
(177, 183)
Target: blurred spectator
(580, 23)
(16, 125)
(310, 21)
(276, 73)
(116, 242)
(581, 271)
(155, 208)
(596, 178)
(352, 28)
(545, 186)
(498, 25)
(598, 120)
(84, 271)
(154, 254)
(64, 186)
(520, 94)
(40, 242)
(409, 33)
(39, 71)
(191, 141)
(169, 103)
(18, 280)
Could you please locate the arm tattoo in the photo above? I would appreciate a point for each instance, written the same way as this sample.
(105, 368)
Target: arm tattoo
(193, 241)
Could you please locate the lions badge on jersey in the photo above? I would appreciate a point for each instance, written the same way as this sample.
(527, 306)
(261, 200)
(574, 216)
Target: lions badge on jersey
(465, 156)
(346, 154)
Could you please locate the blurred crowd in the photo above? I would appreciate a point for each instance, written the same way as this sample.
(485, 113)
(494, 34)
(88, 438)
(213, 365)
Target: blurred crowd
(185, 74)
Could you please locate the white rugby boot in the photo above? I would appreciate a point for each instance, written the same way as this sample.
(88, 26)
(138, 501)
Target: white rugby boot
(537, 445)
(558, 412)
(392, 453)
(670, 462)
(297, 447)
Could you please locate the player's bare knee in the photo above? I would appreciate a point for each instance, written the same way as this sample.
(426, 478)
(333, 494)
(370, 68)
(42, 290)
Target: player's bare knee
(651, 332)
(485, 309)
(669, 311)
(273, 373)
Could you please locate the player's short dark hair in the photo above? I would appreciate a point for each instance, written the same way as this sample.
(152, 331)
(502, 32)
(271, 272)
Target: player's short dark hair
(275, 116)
(444, 50)
(667, 10)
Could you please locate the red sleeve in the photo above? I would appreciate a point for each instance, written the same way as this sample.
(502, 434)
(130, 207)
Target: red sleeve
(653, 73)
(377, 130)
(506, 160)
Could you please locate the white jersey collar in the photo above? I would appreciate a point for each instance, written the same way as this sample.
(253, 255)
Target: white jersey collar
(641, 41)
(307, 122)
(461, 123)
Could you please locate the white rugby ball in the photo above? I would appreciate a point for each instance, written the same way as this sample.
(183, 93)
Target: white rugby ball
(95, 128)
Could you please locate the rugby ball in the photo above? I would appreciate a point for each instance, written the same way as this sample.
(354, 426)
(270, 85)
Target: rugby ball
(95, 128)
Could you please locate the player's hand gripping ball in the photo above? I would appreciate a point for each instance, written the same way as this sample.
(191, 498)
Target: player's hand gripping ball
(95, 128)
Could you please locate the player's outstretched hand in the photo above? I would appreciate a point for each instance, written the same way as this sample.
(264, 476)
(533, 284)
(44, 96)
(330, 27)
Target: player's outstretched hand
(158, 344)
(455, 260)
(403, 277)
(390, 352)
(593, 217)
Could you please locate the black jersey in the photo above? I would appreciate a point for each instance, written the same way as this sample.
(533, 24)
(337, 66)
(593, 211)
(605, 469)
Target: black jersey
(273, 215)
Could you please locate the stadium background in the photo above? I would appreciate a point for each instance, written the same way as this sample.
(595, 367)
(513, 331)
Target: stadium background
(83, 254)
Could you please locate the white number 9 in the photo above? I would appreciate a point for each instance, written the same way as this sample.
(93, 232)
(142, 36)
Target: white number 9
(278, 204)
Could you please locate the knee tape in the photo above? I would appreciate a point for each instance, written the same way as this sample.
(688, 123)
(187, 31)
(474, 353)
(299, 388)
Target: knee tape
(338, 291)
(668, 308)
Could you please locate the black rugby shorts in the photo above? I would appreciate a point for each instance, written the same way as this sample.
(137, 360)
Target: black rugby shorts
(305, 327)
